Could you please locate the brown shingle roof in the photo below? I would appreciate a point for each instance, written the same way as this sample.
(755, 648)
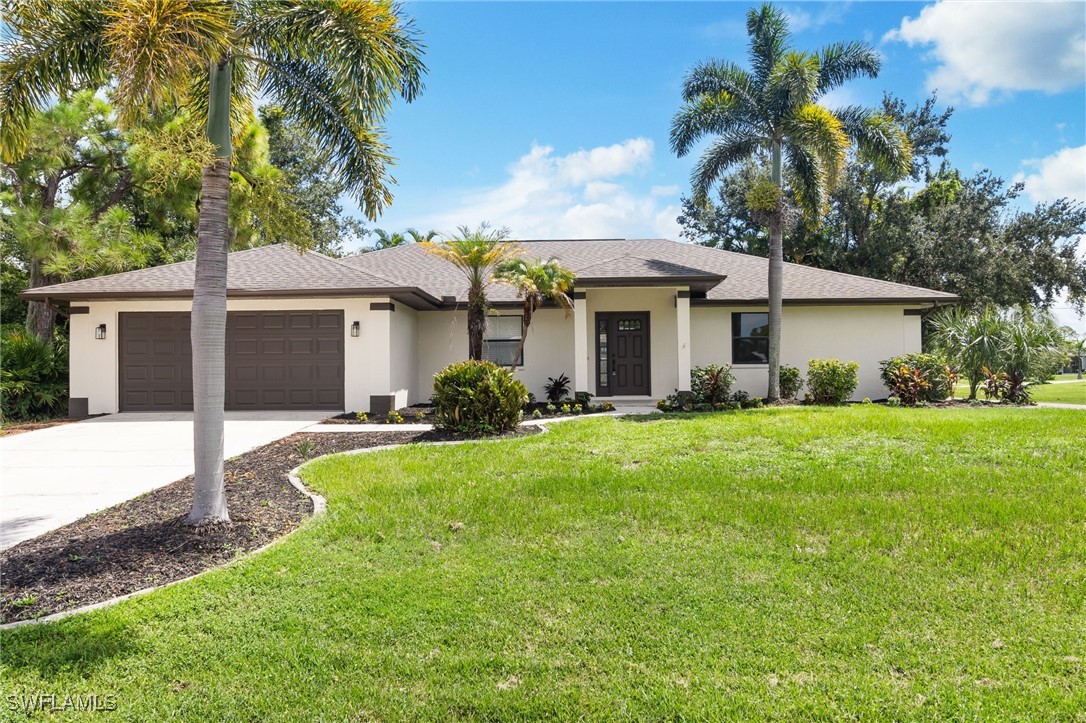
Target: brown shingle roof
(265, 269)
(745, 277)
(279, 270)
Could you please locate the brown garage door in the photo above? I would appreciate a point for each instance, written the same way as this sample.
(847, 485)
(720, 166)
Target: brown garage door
(274, 360)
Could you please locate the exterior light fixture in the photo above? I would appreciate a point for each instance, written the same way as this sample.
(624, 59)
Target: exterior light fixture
(100, 331)
(354, 328)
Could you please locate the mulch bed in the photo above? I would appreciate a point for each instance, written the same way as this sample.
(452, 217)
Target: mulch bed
(11, 428)
(142, 543)
(410, 416)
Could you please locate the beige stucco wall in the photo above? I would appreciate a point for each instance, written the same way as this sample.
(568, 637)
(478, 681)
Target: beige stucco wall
(548, 350)
(368, 365)
(403, 354)
(863, 334)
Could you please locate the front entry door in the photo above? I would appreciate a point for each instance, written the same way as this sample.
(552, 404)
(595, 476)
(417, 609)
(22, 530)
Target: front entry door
(622, 354)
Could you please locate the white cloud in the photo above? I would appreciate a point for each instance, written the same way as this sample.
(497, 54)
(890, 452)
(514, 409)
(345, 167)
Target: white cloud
(578, 195)
(801, 19)
(987, 49)
(1061, 175)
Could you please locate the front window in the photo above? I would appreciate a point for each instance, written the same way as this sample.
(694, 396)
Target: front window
(502, 338)
(750, 338)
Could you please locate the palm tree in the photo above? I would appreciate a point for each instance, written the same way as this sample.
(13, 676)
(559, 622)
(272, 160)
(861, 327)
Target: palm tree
(386, 240)
(773, 109)
(536, 282)
(415, 236)
(478, 254)
(334, 67)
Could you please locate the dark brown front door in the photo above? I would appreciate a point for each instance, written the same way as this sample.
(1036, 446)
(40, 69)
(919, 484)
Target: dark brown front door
(274, 360)
(622, 354)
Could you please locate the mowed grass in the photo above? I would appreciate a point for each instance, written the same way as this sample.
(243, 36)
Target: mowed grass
(1064, 393)
(794, 563)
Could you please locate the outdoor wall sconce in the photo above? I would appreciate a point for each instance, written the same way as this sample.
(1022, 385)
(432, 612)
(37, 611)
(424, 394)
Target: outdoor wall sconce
(100, 331)
(354, 328)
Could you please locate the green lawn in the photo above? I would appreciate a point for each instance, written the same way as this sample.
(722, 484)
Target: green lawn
(795, 563)
(1067, 393)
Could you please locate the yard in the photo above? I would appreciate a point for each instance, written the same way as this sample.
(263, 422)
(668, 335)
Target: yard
(787, 563)
(1064, 393)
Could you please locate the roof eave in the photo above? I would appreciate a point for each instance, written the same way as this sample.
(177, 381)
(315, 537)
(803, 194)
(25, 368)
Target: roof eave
(843, 301)
(43, 294)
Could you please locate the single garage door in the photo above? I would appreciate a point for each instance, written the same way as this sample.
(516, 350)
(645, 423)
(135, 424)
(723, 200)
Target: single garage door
(274, 360)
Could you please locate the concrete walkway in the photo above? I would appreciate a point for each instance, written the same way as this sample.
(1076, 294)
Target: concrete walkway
(51, 477)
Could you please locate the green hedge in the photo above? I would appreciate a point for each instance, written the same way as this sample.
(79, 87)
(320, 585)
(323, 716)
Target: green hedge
(832, 381)
(478, 397)
(938, 374)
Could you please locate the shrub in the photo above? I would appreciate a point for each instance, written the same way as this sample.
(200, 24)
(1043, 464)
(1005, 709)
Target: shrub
(606, 407)
(1003, 387)
(907, 384)
(565, 409)
(551, 409)
(940, 378)
(362, 417)
(393, 417)
(33, 378)
(741, 398)
(478, 397)
(791, 382)
(711, 384)
(556, 388)
(537, 414)
(583, 398)
(832, 381)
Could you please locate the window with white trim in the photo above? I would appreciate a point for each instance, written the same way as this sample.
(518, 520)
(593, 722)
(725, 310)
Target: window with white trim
(502, 339)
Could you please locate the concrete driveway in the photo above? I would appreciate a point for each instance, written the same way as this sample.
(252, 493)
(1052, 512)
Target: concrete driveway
(50, 477)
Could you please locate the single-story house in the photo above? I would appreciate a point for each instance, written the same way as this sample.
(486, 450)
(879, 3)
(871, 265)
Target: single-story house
(368, 332)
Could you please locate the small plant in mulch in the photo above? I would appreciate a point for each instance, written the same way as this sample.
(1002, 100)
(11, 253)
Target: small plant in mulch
(362, 417)
(305, 448)
(393, 417)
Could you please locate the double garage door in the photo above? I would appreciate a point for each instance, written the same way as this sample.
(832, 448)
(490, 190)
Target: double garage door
(274, 360)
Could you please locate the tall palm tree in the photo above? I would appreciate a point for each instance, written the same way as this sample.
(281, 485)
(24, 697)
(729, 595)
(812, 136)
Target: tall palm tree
(334, 67)
(536, 282)
(478, 254)
(773, 110)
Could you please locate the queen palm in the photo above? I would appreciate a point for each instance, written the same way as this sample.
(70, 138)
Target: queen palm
(333, 66)
(536, 282)
(772, 110)
(478, 254)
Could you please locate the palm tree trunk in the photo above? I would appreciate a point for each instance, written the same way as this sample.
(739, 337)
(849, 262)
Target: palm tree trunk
(40, 318)
(209, 312)
(776, 272)
(526, 321)
(476, 323)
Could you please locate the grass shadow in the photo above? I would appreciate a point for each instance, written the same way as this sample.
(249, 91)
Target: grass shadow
(77, 645)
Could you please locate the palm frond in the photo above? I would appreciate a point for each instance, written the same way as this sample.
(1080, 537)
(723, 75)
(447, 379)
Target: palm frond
(334, 68)
(356, 151)
(769, 40)
(710, 114)
(808, 181)
(792, 83)
(158, 47)
(842, 62)
(712, 77)
(879, 140)
(725, 152)
(817, 130)
(47, 48)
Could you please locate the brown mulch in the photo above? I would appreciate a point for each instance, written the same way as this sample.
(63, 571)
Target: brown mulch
(410, 416)
(10, 428)
(142, 543)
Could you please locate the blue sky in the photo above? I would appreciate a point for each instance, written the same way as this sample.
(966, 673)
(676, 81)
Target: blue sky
(552, 118)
